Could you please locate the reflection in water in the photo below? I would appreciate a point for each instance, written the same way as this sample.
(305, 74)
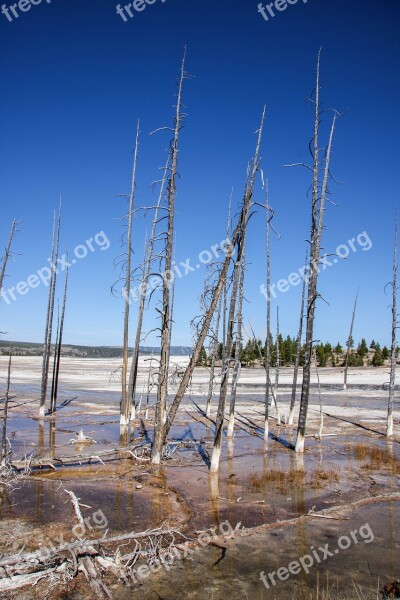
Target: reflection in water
(214, 496)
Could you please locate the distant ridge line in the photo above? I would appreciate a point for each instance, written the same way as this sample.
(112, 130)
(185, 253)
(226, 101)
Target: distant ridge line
(36, 349)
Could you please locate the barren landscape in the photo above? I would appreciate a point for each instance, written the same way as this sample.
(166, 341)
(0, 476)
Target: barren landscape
(277, 503)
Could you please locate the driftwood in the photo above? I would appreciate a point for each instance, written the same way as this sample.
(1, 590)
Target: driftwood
(91, 557)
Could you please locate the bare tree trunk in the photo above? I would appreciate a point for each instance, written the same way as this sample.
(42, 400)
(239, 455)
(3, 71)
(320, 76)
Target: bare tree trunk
(53, 381)
(60, 339)
(5, 417)
(298, 350)
(143, 294)
(321, 413)
(225, 292)
(267, 362)
(389, 427)
(209, 315)
(126, 403)
(213, 359)
(247, 201)
(350, 343)
(166, 325)
(7, 254)
(238, 343)
(317, 218)
(50, 314)
(278, 356)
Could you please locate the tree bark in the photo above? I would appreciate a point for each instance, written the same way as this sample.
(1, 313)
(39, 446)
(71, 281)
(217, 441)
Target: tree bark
(317, 218)
(50, 314)
(209, 315)
(238, 343)
(298, 351)
(247, 201)
(60, 339)
(389, 426)
(213, 359)
(5, 417)
(143, 293)
(166, 325)
(7, 254)
(350, 343)
(126, 404)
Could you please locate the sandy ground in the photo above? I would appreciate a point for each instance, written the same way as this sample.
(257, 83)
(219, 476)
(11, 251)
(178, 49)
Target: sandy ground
(265, 489)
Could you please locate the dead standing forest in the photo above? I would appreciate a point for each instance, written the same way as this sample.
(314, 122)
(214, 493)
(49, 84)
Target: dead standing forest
(221, 327)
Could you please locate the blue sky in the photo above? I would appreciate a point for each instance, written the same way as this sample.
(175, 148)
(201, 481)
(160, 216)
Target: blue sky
(74, 80)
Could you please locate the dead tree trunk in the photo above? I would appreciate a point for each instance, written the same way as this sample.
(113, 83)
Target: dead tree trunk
(50, 314)
(350, 343)
(59, 344)
(389, 426)
(143, 294)
(213, 359)
(221, 309)
(321, 412)
(4, 453)
(225, 292)
(126, 403)
(7, 254)
(319, 195)
(247, 202)
(166, 325)
(278, 355)
(216, 295)
(298, 350)
(238, 344)
(53, 381)
(267, 362)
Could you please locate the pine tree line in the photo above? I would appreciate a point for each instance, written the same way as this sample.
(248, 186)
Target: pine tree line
(327, 355)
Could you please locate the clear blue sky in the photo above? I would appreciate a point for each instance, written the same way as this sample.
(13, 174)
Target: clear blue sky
(74, 79)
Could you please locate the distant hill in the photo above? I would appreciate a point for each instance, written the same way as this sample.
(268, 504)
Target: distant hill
(34, 349)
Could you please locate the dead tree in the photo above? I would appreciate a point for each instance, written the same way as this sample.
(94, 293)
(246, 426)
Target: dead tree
(238, 346)
(53, 381)
(278, 354)
(126, 402)
(236, 237)
(247, 203)
(321, 412)
(166, 311)
(4, 450)
(214, 355)
(267, 362)
(221, 309)
(143, 295)
(59, 344)
(7, 253)
(225, 292)
(320, 194)
(267, 358)
(350, 343)
(50, 313)
(298, 350)
(389, 426)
